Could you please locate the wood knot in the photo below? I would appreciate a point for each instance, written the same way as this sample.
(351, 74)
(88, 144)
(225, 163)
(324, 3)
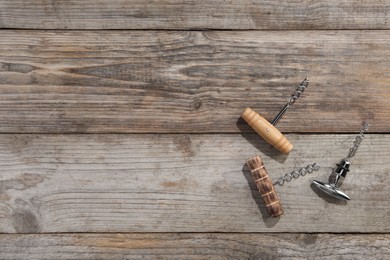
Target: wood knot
(25, 218)
(196, 104)
(184, 145)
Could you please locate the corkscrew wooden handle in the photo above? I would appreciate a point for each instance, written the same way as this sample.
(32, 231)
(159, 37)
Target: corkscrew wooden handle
(266, 130)
(265, 186)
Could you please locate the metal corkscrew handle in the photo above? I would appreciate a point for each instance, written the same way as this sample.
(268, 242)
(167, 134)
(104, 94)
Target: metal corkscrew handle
(332, 188)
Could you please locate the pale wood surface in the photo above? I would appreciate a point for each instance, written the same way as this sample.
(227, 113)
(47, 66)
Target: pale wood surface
(195, 246)
(167, 75)
(191, 81)
(200, 14)
(184, 183)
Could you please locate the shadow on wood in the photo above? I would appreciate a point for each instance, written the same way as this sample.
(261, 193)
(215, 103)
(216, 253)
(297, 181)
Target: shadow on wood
(259, 143)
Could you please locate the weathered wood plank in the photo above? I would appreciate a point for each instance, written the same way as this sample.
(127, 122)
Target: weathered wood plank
(204, 14)
(195, 246)
(184, 183)
(193, 82)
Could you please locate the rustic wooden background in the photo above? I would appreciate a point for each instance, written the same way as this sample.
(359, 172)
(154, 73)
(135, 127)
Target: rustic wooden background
(120, 134)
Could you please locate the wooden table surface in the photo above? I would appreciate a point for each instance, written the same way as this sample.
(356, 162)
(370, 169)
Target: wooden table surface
(121, 137)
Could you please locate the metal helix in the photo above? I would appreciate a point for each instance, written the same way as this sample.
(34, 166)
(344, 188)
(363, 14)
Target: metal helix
(304, 84)
(296, 174)
(300, 89)
(358, 140)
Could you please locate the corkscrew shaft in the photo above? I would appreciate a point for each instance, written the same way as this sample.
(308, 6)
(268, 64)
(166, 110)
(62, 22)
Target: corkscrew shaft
(280, 114)
(296, 174)
(304, 84)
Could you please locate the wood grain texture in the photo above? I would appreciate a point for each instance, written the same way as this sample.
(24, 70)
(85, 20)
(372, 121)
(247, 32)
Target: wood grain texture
(195, 246)
(191, 82)
(201, 14)
(184, 183)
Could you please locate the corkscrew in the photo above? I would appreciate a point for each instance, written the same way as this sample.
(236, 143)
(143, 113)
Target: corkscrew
(332, 188)
(268, 130)
(266, 186)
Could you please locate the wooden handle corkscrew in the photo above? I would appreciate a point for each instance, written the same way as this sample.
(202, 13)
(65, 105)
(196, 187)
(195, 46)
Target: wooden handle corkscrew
(266, 130)
(265, 186)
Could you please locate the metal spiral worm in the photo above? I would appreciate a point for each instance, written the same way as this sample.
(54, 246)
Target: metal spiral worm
(300, 89)
(358, 140)
(296, 174)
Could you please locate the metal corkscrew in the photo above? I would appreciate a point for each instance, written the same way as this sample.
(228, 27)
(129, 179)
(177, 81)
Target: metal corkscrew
(268, 130)
(332, 188)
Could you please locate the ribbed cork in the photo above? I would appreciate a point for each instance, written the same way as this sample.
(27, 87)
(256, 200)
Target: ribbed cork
(265, 186)
(266, 130)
